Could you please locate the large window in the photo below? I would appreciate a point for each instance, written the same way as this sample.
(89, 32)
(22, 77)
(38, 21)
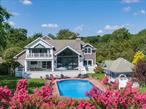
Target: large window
(46, 64)
(67, 59)
(88, 63)
(88, 50)
(39, 50)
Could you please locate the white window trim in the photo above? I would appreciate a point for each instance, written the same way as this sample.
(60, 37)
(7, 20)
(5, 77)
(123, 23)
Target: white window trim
(88, 44)
(87, 50)
(38, 41)
(89, 60)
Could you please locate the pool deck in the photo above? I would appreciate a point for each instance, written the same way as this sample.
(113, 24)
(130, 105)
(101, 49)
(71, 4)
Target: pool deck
(95, 82)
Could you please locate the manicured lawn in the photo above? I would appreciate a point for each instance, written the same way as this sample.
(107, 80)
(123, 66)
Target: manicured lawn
(11, 82)
(97, 75)
(143, 89)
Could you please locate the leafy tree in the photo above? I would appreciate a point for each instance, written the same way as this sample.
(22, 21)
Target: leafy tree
(8, 57)
(51, 36)
(139, 71)
(4, 16)
(106, 37)
(91, 39)
(66, 34)
(37, 35)
(138, 56)
(120, 34)
(16, 37)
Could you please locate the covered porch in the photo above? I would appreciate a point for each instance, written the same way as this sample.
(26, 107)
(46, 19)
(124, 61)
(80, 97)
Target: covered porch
(37, 65)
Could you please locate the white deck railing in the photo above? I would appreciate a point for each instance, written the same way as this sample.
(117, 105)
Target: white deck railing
(38, 55)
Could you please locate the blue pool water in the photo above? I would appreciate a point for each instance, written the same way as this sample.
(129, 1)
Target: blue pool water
(74, 88)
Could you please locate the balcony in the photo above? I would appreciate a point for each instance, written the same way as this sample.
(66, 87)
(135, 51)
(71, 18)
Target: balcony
(39, 55)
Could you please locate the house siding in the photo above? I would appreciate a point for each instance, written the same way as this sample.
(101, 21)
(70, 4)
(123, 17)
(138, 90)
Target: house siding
(91, 56)
(74, 45)
(21, 59)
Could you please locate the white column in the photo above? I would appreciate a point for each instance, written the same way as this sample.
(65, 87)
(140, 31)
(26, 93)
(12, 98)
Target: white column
(51, 52)
(80, 61)
(52, 65)
(27, 52)
(25, 67)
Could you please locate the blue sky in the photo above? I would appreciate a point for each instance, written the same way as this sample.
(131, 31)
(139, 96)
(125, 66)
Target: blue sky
(87, 17)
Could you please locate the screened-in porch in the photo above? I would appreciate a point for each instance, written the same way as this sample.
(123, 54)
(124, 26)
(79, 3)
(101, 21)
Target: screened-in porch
(67, 60)
(39, 66)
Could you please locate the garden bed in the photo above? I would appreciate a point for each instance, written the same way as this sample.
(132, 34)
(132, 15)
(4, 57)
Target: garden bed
(99, 75)
(11, 82)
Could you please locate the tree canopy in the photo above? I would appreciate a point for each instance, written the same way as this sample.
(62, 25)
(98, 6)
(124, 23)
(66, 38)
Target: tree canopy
(4, 16)
(120, 43)
(66, 34)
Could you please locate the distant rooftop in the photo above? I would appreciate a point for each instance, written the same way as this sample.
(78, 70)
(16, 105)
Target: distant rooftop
(121, 65)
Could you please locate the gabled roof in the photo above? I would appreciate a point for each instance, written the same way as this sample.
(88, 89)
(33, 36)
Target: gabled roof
(69, 48)
(107, 63)
(121, 65)
(35, 41)
(15, 57)
(88, 44)
(60, 44)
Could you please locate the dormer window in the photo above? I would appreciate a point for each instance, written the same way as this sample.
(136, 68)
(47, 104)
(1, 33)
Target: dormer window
(88, 50)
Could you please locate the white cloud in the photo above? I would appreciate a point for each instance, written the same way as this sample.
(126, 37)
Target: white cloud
(26, 2)
(140, 12)
(99, 31)
(131, 1)
(113, 27)
(11, 23)
(79, 28)
(127, 9)
(50, 25)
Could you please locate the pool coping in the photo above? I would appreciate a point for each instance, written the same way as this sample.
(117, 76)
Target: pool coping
(95, 82)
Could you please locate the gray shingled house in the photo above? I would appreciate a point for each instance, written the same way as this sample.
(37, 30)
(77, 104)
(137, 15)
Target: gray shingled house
(117, 67)
(46, 56)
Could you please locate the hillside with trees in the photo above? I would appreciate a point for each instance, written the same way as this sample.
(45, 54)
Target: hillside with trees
(121, 43)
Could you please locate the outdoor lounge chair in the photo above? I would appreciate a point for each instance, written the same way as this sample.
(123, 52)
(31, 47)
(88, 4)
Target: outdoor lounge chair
(47, 77)
(64, 77)
(82, 76)
(58, 77)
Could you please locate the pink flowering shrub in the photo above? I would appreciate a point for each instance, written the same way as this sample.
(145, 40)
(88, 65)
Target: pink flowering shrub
(118, 99)
(105, 80)
(43, 98)
(114, 85)
(5, 95)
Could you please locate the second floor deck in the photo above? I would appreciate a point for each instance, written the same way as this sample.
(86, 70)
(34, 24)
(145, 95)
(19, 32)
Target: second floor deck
(39, 55)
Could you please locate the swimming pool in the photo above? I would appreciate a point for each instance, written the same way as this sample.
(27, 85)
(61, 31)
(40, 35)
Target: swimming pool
(74, 88)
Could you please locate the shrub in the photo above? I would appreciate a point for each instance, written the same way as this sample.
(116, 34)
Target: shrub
(3, 69)
(127, 98)
(139, 71)
(112, 98)
(98, 69)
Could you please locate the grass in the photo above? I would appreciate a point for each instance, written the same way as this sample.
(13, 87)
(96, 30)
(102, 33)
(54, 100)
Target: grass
(143, 89)
(97, 75)
(11, 82)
